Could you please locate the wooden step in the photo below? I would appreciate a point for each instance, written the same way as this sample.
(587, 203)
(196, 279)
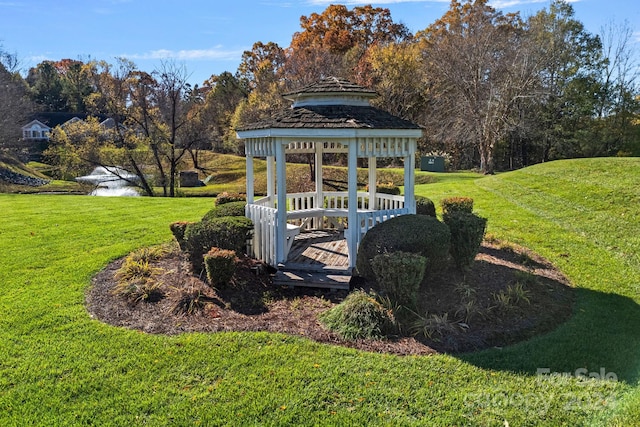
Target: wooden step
(313, 279)
(316, 268)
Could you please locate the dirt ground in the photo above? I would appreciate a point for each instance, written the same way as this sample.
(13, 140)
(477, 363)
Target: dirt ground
(510, 294)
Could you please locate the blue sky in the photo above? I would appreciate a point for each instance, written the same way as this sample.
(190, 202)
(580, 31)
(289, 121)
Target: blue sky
(209, 37)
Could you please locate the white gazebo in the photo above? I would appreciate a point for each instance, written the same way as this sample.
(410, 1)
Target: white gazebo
(330, 116)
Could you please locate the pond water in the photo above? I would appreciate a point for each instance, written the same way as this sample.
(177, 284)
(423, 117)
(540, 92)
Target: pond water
(110, 182)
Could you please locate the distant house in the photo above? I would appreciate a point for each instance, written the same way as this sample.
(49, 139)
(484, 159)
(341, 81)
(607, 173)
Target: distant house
(41, 124)
(36, 130)
(36, 133)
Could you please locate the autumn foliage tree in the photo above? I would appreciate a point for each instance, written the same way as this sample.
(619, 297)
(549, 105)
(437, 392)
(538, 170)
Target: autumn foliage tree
(336, 42)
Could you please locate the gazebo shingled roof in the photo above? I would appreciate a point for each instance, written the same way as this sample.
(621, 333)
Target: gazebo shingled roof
(333, 116)
(334, 111)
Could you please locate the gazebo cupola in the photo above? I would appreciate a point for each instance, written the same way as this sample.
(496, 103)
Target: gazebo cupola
(332, 115)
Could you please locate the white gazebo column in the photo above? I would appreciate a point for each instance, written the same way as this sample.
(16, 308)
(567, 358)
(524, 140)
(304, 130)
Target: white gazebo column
(352, 216)
(249, 166)
(373, 181)
(409, 182)
(319, 199)
(271, 181)
(281, 215)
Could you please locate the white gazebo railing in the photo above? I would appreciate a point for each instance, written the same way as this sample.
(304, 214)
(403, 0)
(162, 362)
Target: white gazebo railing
(263, 243)
(305, 213)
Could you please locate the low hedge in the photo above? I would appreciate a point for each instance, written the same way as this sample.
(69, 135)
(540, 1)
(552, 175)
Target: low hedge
(226, 209)
(229, 232)
(226, 197)
(418, 234)
(457, 204)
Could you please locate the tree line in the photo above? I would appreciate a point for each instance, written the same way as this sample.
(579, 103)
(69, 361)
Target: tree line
(493, 91)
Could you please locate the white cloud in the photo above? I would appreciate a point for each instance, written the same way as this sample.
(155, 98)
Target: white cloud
(36, 59)
(500, 4)
(216, 53)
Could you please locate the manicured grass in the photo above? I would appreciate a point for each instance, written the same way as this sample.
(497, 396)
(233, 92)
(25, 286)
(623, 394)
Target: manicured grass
(60, 367)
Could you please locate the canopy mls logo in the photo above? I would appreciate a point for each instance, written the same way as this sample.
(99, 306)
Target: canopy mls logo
(582, 373)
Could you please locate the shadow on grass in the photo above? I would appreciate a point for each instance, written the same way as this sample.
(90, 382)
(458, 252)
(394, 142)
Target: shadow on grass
(602, 336)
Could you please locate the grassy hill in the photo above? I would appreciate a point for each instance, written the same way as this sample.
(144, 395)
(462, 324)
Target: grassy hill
(60, 367)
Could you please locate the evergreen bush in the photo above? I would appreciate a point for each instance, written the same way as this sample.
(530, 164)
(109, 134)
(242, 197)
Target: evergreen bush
(178, 229)
(467, 231)
(229, 232)
(220, 265)
(425, 206)
(457, 204)
(226, 197)
(389, 188)
(399, 275)
(419, 234)
(226, 209)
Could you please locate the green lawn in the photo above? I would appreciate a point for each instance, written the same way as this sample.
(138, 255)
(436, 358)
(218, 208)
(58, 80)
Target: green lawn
(60, 367)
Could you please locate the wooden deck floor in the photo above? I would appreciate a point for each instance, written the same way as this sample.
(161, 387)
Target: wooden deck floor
(320, 249)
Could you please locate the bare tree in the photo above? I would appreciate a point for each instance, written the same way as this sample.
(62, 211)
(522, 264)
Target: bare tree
(478, 70)
(154, 121)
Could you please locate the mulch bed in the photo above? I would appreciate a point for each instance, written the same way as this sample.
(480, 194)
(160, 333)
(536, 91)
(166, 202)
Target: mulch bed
(253, 303)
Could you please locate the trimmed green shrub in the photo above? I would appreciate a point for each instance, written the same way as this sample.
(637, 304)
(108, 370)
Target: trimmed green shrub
(389, 188)
(360, 315)
(457, 204)
(227, 209)
(178, 229)
(425, 206)
(467, 232)
(220, 265)
(399, 275)
(225, 197)
(419, 234)
(229, 232)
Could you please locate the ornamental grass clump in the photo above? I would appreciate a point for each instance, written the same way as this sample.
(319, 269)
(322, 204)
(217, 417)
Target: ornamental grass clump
(398, 276)
(190, 301)
(135, 278)
(359, 316)
(141, 289)
(467, 232)
(220, 265)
